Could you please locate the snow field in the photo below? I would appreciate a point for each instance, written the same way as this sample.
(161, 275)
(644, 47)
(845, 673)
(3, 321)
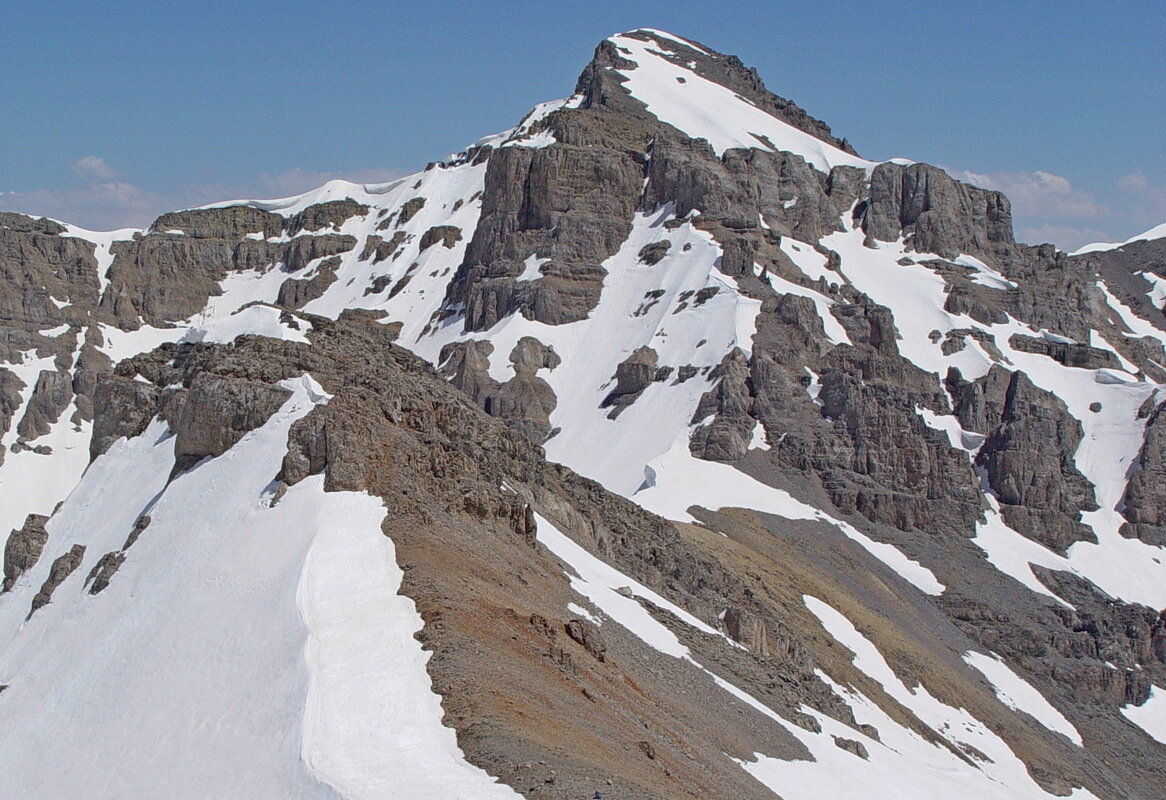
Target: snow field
(253, 650)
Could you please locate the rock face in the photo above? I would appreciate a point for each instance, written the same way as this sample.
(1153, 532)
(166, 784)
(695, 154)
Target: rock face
(1144, 503)
(1071, 354)
(524, 402)
(448, 235)
(727, 436)
(23, 548)
(231, 222)
(298, 292)
(10, 400)
(168, 274)
(1028, 459)
(50, 396)
(46, 280)
(62, 568)
(936, 213)
(165, 277)
(571, 204)
(122, 407)
(217, 411)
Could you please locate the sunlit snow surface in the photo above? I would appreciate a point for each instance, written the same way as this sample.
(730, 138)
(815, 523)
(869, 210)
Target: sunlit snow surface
(1150, 716)
(703, 109)
(1125, 568)
(203, 675)
(1018, 694)
(1157, 232)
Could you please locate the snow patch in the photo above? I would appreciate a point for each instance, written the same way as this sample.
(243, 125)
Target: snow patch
(677, 481)
(704, 109)
(1019, 695)
(1150, 716)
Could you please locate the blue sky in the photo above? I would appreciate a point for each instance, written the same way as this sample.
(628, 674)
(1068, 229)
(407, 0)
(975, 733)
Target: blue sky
(115, 112)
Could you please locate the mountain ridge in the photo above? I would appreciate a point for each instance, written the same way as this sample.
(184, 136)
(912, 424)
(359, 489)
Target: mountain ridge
(867, 412)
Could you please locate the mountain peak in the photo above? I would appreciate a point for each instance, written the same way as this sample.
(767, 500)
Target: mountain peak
(706, 95)
(854, 495)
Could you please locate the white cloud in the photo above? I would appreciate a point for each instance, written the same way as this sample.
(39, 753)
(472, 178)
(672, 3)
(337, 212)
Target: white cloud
(1038, 194)
(104, 204)
(1146, 199)
(92, 167)
(1134, 183)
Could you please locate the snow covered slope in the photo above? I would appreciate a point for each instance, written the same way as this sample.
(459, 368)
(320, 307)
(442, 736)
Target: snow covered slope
(1157, 232)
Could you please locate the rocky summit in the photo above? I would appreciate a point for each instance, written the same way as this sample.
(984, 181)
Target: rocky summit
(659, 447)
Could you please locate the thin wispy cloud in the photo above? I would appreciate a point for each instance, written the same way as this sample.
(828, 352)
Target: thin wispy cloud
(103, 202)
(1039, 194)
(1047, 207)
(92, 167)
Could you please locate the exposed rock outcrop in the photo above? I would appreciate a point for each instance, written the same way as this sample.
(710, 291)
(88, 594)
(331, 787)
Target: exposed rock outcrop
(524, 402)
(1028, 460)
(936, 213)
(23, 548)
(1071, 354)
(217, 412)
(567, 203)
(1144, 502)
(51, 395)
(63, 566)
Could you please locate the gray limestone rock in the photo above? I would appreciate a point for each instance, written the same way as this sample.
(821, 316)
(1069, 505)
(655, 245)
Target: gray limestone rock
(935, 212)
(447, 235)
(39, 271)
(409, 209)
(379, 249)
(530, 355)
(524, 402)
(730, 403)
(852, 746)
(1028, 462)
(230, 222)
(63, 566)
(636, 372)
(10, 400)
(217, 412)
(466, 365)
(1071, 354)
(104, 570)
(298, 292)
(20, 223)
(325, 215)
(570, 204)
(1144, 501)
(587, 635)
(162, 277)
(122, 407)
(23, 548)
(50, 397)
(651, 254)
(964, 299)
